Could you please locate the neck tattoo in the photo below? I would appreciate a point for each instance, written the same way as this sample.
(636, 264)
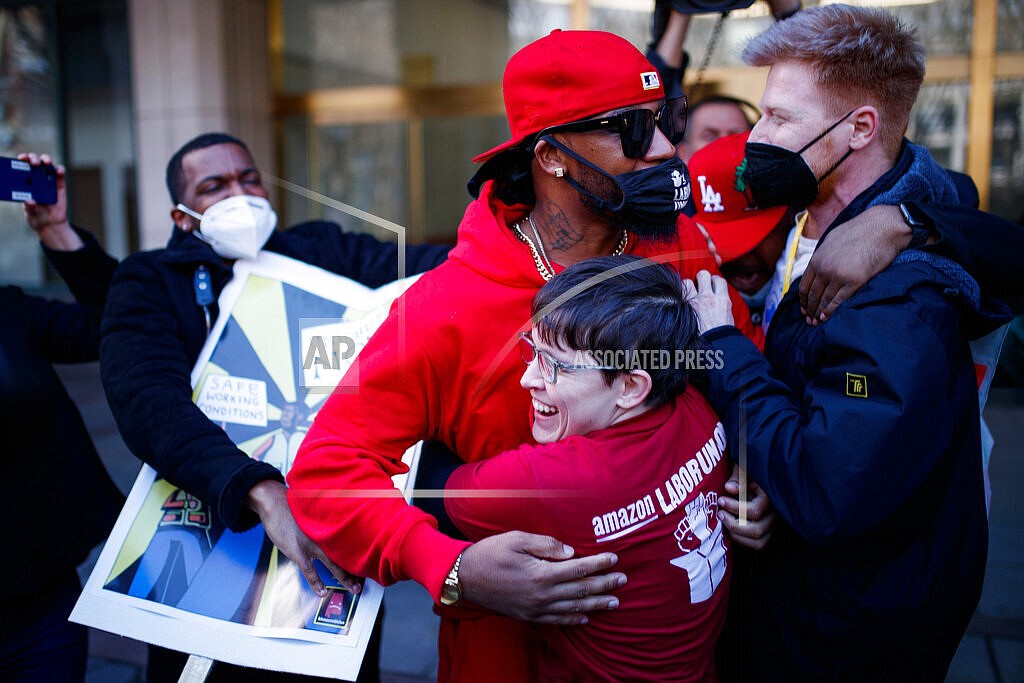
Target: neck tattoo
(540, 258)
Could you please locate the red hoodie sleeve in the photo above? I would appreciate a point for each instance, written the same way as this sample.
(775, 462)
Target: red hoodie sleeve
(495, 495)
(340, 487)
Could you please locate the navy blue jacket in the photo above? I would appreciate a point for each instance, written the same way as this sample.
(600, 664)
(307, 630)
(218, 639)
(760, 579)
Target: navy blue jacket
(58, 500)
(153, 332)
(864, 432)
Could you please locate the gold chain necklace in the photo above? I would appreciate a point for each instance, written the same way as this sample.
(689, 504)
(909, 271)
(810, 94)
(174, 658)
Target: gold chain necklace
(540, 258)
(545, 274)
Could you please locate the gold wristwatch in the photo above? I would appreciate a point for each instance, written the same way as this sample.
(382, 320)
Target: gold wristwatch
(451, 590)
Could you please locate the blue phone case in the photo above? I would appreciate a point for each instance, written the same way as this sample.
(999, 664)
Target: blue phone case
(20, 181)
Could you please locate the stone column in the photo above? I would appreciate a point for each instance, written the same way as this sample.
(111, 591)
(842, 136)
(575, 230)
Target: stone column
(197, 66)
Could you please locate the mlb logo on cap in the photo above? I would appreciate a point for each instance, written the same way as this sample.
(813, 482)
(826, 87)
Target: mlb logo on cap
(650, 80)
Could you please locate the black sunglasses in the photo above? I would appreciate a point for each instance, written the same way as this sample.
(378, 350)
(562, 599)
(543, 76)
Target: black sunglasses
(634, 126)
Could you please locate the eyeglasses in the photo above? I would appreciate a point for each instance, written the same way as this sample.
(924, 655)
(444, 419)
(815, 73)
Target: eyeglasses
(634, 126)
(548, 364)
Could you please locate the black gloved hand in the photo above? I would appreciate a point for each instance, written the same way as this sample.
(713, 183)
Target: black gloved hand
(707, 6)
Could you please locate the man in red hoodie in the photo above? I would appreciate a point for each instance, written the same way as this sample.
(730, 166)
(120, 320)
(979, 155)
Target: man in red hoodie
(590, 170)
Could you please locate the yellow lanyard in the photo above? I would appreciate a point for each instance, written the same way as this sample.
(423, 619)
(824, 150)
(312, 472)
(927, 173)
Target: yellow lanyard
(787, 275)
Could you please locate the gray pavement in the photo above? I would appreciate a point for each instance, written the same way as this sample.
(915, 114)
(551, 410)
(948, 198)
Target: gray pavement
(991, 652)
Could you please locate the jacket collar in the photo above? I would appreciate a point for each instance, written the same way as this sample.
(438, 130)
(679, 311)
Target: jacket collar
(915, 176)
(185, 248)
(487, 245)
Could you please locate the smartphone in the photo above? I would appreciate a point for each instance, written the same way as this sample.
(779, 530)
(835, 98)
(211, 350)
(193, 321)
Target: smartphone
(20, 181)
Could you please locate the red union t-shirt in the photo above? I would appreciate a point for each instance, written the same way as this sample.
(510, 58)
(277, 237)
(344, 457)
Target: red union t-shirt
(646, 489)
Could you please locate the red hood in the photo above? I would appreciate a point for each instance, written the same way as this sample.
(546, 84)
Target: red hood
(485, 225)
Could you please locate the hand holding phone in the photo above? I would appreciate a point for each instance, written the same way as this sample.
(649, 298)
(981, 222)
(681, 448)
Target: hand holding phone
(47, 215)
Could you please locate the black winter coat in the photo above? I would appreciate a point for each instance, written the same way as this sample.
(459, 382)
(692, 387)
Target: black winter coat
(153, 332)
(58, 500)
(864, 432)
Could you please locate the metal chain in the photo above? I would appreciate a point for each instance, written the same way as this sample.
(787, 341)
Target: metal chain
(716, 33)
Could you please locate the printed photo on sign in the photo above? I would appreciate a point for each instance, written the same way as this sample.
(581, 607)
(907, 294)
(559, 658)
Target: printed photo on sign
(235, 596)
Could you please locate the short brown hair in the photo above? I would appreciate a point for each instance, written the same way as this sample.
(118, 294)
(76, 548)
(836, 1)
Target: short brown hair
(860, 55)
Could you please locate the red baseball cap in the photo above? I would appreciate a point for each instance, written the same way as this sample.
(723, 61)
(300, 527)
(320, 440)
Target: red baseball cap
(569, 76)
(722, 206)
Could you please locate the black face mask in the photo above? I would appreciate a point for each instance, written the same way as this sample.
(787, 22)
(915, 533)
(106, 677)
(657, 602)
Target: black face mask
(776, 176)
(652, 198)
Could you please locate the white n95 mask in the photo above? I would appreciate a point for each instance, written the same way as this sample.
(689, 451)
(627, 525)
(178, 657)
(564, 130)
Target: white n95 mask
(236, 227)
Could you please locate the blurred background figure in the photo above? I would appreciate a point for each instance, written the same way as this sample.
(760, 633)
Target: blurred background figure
(715, 117)
(59, 500)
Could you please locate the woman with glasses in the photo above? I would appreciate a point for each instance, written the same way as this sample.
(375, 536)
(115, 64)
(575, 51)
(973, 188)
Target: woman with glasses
(629, 459)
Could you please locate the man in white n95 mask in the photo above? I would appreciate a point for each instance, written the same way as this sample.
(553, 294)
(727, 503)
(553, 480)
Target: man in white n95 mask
(236, 227)
(161, 306)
